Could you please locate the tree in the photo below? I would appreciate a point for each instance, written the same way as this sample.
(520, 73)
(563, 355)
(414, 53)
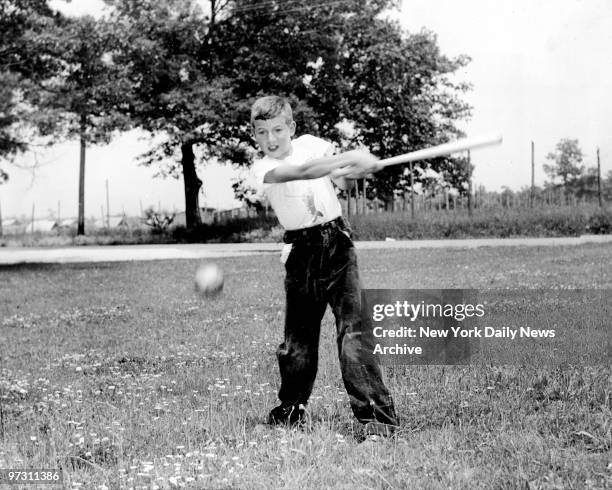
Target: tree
(340, 65)
(83, 99)
(194, 75)
(566, 162)
(22, 67)
(396, 93)
(455, 171)
(175, 91)
(65, 83)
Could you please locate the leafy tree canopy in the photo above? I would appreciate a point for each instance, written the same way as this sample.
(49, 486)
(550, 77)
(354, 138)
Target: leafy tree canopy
(566, 162)
(190, 71)
(343, 64)
(22, 66)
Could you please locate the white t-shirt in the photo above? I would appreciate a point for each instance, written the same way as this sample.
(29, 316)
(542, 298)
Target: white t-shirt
(300, 203)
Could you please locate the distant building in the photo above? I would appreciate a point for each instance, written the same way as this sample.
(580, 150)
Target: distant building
(42, 225)
(68, 223)
(117, 221)
(207, 214)
(13, 227)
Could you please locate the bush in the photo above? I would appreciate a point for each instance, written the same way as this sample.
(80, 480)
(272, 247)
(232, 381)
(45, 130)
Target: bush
(600, 223)
(263, 228)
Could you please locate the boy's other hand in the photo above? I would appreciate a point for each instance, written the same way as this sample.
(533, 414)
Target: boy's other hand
(360, 164)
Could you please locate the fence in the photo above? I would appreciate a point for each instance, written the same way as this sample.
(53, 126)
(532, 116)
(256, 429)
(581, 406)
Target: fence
(483, 200)
(220, 217)
(421, 204)
(445, 202)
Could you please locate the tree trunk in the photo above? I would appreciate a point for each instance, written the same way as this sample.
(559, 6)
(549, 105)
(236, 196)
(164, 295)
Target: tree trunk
(192, 187)
(81, 220)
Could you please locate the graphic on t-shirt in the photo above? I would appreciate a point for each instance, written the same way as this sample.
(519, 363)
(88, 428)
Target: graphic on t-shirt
(310, 205)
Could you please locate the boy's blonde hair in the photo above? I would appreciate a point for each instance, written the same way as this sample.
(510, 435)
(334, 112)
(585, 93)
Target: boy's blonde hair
(270, 107)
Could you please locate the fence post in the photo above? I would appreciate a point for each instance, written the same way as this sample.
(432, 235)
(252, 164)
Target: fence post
(348, 204)
(364, 203)
(411, 193)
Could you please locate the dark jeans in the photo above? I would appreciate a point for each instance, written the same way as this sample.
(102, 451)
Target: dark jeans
(321, 270)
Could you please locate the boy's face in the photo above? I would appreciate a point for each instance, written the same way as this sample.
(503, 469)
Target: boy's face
(274, 136)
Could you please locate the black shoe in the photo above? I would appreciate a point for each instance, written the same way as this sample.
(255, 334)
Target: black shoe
(379, 429)
(288, 415)
(374, 431)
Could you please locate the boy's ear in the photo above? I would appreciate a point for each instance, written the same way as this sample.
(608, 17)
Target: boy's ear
(292, 128)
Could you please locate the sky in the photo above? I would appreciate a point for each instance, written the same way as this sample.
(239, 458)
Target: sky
(541, 71)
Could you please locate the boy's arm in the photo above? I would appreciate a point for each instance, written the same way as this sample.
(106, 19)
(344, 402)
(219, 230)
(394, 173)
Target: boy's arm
(357, 160)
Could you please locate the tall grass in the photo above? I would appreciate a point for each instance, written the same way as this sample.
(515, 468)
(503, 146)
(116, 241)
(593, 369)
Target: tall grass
(431, 224)
(501, 223)
(101, 236)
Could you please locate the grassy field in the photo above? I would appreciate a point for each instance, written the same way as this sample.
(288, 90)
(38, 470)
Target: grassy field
(121, 376)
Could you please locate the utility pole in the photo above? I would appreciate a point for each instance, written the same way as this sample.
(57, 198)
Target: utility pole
(83, 144)
(599, 180)
(469, 172)
(531, 201)
(411, 192)
(107, 207)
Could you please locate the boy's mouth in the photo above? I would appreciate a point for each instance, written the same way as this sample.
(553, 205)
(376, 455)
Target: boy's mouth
(272, 149)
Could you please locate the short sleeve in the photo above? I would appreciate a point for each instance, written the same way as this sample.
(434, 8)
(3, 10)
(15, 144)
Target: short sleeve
(259, 170)
(318, 146)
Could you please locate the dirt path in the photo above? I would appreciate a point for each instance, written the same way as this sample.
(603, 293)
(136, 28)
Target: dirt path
(116, 253)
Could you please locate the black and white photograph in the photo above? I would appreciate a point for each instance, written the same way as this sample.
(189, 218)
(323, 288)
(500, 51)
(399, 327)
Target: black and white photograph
(272, 244)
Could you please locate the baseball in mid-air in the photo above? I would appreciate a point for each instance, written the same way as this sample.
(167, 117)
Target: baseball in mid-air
(209, 280)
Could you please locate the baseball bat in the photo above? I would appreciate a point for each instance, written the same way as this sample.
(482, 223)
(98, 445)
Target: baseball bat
(444, 149)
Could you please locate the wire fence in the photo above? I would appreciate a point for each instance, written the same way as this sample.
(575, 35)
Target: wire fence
(413, 206)
(453, 203)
